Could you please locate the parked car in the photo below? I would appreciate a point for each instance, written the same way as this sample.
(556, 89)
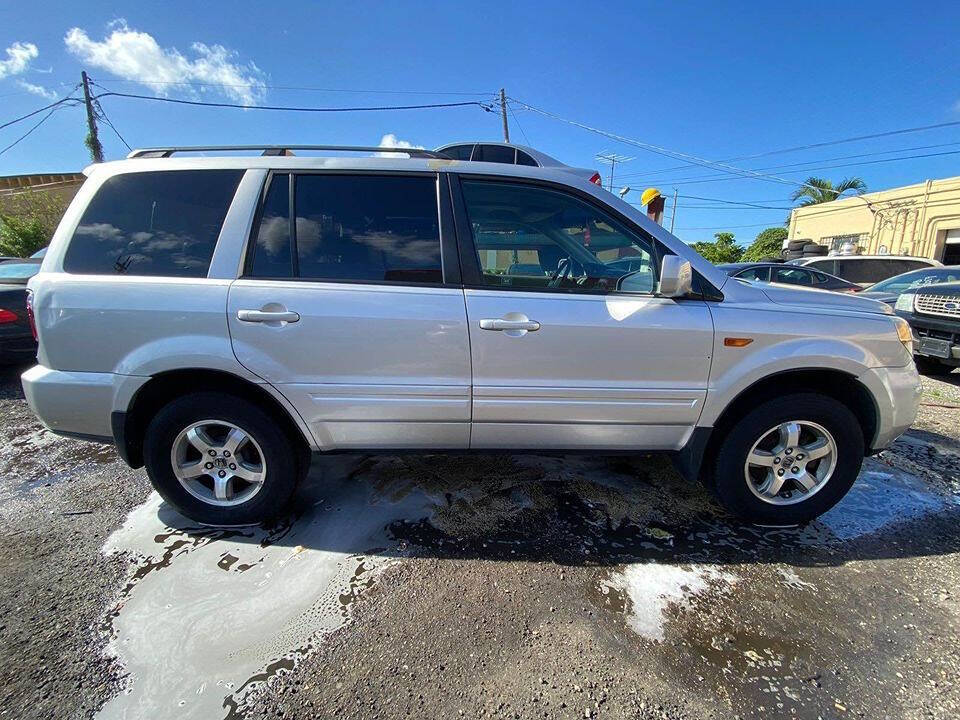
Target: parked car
(17, 343)
(499, 152)
(933, 312)
(890, 289)
(788, 275)
(865, 270)
(187, 317)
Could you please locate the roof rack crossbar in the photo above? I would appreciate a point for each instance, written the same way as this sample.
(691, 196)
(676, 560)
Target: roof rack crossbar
(273, 150)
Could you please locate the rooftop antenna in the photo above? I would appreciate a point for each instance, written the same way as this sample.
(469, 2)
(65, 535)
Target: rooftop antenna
(613, 159)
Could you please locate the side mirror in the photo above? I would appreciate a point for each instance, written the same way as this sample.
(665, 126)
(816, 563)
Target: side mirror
(676, 276)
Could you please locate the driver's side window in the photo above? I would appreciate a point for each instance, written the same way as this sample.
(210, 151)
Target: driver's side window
(534, 238)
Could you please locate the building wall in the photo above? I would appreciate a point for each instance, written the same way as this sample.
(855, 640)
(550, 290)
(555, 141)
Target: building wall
(910, 220)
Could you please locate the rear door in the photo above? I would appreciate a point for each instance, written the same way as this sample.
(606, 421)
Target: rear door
(577, 352)
(348, 308)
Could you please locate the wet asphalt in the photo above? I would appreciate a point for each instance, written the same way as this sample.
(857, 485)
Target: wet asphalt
(481, 586)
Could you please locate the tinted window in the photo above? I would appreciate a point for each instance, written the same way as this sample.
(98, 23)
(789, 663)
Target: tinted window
(524, 159)
(865, 271)
(495, 153)
(792, 276)
(828, 266)
(159, 223)
(364, 227)
(458, 152)
(760, 273)
(529, 237)
(819, 278)
(271, 254)
(917, 278)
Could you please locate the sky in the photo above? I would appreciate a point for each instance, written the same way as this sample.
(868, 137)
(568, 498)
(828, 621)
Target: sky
(712, 81)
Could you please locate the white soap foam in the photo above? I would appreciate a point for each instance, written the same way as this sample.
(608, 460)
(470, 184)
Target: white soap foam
(654, 587)
(209, 610)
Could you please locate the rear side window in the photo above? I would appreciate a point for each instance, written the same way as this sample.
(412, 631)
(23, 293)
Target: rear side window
(496, 154)
(354, 228)
(827, 266)
(524, 159)
(153, 223)
(458, 152)
(865, 271)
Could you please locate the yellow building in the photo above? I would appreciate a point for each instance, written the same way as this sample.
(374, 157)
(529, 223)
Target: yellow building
(921, 220)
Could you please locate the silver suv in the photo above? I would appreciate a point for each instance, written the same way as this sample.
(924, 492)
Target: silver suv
(220, 318)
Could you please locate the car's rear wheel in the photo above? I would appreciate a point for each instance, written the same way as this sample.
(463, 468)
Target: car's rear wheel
(220, 459)
(932, 366)
(788, 460)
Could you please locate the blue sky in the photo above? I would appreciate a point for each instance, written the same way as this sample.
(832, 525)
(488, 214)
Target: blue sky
(713, 80)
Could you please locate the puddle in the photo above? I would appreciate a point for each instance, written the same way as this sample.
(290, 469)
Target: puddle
(210, 615)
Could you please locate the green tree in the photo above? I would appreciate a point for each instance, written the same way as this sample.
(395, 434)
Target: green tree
(28, 220)
(768, 243)
(723, 250)
(817, 190)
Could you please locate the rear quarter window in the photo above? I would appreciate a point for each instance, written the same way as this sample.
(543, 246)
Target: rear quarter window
(153, 223)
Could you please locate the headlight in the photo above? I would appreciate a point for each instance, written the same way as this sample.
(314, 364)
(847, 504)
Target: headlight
(904, 332)
(905, 302)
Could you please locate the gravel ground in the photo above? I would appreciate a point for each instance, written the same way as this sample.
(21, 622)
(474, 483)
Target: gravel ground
(501, 586)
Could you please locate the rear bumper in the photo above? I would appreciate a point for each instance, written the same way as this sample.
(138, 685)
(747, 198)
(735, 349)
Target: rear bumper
(896, 392)
(78, 404)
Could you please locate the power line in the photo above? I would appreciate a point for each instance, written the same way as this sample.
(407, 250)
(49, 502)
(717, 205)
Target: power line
(729, 227)
(103, 116)
(666, 152)
(841, 141)
(28, 132)
(734, 202)
(64, 99)
(517, 123)
(179, 101)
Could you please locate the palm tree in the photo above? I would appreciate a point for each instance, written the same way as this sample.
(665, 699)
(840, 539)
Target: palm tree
(817, 190)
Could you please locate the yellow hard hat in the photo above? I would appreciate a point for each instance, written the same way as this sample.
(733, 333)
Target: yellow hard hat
(648, 195)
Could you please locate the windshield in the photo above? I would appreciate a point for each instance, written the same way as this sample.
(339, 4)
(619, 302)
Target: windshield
(917, 278)
(18, 271)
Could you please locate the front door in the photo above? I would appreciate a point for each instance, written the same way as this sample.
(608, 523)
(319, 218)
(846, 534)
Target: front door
(344, 309)
(571, 347)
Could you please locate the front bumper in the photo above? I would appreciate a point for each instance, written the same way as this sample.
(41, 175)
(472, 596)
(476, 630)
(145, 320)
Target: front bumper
(897, 393)
(78, 404)
(943, 329)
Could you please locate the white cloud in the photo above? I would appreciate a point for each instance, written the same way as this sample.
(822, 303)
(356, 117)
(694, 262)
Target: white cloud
(134, 55)
(18, 59)
(392, 141)
(37, 90)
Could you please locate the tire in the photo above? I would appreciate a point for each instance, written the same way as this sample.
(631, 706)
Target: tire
(792, 255)
(257, 492)
(796, 245)
(931, 366)
(810, 411)
(814, 249)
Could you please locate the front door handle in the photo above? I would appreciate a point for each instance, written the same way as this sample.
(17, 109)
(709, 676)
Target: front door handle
(268, 316)
(513, 324)
(498, 324)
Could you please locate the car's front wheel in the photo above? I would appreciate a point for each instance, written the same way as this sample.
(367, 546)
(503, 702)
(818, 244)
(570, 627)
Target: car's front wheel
(788, 460)
(220, 459)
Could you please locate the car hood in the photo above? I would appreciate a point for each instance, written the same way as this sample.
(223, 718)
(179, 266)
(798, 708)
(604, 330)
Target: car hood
(808, 297)
(952, 288)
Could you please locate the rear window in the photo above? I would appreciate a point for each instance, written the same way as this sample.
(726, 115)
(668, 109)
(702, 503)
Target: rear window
(458, 152)
(496, 154)
(353, 228)
(153, 223)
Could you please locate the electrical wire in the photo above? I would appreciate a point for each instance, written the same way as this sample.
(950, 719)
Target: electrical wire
(103, 116)
(517, 122)
(28, 132)
(180, 101)
(307, 88)
(62, 100)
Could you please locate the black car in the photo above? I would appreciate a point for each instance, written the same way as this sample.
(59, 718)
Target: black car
(789, 275)
(934, 314)
(890, 289)
(17, 343)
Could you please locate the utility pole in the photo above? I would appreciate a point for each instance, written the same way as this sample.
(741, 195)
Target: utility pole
(673, 215)
(503, 115)
(92, 140)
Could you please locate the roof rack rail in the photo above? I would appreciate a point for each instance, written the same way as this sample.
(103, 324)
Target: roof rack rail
(273, 150)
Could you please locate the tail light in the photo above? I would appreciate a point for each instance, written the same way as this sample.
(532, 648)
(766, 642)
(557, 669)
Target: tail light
(30, 317)
(596, 179)
(7, 317)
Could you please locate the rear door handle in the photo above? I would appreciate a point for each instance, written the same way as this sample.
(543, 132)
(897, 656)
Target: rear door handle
(268, 316)
(501, 324)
